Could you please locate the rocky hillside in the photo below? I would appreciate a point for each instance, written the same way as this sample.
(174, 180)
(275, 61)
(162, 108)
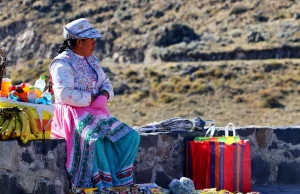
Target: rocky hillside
(142, 33)
(138, 31)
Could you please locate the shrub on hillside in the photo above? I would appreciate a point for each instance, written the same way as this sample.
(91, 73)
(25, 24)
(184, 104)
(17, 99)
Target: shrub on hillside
(239, 99)
(271, 102)
(66, 7)
(200, 88)
(255, 76)
(238, 9)
(167, 98)
(135, 79)
(215, 72)
(182, 87)
(271, 92)
(165, 86)
(138, 96)
(42, 6)
(175, 79)
(155, 75)
(271, 98)
(229, 75)
(130, 73)
(272, 66)
(231, 90)
(200, 73)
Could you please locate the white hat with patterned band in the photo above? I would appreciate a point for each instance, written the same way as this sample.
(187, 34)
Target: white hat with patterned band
(80, 29)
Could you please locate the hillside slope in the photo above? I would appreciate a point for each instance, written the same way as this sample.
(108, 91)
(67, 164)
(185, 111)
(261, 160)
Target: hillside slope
(141, 30)
(263, 93)
(142, 37)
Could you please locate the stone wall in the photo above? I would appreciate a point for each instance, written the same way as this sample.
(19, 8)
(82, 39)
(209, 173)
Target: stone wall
(275, 155)
(38, 167)
(161, 157)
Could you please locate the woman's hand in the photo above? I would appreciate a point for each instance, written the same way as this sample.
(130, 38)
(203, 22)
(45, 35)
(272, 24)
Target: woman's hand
(100, 103)
(104, 93)
(93, 98)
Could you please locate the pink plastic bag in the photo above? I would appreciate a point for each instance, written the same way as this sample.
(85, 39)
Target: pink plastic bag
(100, 103)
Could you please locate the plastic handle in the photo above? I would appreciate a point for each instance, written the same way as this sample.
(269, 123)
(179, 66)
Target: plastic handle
(227, 129)
(212, 130)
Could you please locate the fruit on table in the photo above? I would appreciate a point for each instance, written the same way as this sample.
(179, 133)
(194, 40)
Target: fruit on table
(17, 123)
(12, 87)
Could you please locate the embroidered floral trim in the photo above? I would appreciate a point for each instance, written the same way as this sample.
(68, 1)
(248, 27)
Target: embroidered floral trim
(125, 173)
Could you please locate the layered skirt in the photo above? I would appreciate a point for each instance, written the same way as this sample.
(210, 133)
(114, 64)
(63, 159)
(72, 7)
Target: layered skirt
(100, 148)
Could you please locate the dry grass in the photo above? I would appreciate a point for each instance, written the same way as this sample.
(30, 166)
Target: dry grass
(244, 99)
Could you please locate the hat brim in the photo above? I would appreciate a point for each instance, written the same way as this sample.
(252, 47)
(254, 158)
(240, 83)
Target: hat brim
(90, 33)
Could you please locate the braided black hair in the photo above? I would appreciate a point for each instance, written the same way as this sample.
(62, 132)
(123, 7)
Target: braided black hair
(67, 44)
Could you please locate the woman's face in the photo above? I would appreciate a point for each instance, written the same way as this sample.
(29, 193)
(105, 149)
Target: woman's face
(86, 46)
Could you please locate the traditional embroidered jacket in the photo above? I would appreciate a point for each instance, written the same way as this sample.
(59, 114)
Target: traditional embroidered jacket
(78, 77)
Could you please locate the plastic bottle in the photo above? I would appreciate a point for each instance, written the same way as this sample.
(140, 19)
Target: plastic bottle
(48, 96)
(40, 84)
(31, 95)
(6, 82)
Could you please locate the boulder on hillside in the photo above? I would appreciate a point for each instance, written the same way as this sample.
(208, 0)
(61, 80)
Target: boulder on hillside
(254, 37)
(174, 34)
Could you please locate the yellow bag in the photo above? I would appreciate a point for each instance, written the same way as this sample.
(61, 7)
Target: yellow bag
(224, 192)
(209, 191)
(41, 113)
(86, 190)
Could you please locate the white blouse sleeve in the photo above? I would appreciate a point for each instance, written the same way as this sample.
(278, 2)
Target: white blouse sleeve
(63, 86)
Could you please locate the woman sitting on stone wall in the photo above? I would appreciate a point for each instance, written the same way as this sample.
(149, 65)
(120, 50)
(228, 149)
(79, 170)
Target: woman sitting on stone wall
(100, 148)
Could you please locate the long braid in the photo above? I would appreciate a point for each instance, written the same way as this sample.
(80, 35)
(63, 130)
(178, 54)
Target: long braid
(67, 44)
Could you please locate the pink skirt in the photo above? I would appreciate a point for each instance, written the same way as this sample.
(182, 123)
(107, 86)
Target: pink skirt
(81, 127)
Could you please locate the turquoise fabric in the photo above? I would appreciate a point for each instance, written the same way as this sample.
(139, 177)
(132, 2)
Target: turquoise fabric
(113, 161)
